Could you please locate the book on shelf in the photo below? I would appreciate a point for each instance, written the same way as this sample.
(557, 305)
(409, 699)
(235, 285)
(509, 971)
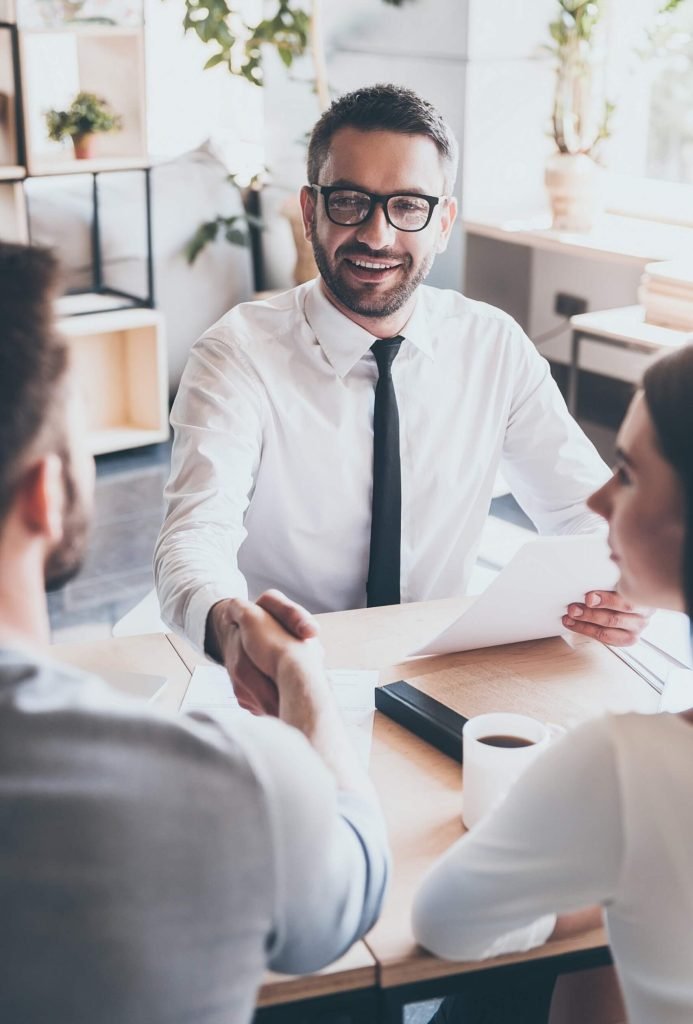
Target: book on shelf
(666, 292)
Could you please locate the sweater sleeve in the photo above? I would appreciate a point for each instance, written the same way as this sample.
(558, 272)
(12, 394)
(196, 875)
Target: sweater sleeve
(554, 845)
(331, 857)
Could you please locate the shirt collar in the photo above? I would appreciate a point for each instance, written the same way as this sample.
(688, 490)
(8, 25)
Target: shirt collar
(344, 342)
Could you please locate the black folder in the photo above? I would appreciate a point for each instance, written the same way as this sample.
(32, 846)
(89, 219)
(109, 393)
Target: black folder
(426, 717)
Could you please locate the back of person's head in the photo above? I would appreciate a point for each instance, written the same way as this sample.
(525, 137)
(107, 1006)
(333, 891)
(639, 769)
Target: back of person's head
(668, 387)
(388, 108)
(33, 365)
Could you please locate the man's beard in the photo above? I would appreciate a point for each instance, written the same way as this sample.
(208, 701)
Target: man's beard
(65, 560)
(357, 299)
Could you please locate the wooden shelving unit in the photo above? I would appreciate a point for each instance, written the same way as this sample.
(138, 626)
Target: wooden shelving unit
(104, 59)
(120, 359)
(119, 354)
(13, 216)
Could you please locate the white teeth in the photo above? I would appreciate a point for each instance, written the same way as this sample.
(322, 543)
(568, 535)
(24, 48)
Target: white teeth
(374, 266)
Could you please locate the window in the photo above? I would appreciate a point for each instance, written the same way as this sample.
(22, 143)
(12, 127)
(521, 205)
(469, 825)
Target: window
(650, 79)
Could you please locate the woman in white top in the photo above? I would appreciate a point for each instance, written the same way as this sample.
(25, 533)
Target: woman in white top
(605, 817)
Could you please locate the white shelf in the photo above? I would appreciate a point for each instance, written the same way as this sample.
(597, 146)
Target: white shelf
(110, 321)
(82, 28)
(12, 172)
(120, 439)
(68, 165)
(85, 303)
(618, 239)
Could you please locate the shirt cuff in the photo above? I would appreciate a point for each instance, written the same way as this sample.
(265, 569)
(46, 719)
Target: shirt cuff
(522, 939)
(199, 607)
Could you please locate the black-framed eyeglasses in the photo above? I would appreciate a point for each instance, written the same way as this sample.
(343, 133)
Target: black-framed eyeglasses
(405, 211)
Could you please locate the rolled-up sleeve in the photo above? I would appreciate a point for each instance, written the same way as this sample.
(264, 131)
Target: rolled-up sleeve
(217, 420)
(554, 846)
(331, 857)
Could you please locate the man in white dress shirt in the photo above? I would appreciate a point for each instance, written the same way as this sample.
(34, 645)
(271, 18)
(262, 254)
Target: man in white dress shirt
(272, 475)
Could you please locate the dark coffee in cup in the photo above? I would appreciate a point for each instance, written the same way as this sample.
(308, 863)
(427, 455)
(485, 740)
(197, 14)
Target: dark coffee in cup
(506, 741)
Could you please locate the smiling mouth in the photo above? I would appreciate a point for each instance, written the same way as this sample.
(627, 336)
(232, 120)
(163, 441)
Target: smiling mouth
(370, 270)
(368, 265)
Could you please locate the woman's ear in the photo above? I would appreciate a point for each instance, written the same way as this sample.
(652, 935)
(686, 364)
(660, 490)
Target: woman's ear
(41, 497)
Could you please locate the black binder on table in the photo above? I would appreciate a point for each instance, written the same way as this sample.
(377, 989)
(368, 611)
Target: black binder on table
(426, 717)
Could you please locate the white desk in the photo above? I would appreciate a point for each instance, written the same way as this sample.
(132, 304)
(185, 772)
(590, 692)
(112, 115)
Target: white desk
(624, 327)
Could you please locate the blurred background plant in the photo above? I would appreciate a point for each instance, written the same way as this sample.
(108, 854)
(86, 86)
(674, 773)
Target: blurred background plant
(581, 113)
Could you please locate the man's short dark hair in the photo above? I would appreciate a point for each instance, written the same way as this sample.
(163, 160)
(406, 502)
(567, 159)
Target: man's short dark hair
(388, 108)
(33, 364)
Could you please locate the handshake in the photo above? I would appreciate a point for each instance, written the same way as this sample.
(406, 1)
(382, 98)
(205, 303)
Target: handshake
(271, 652)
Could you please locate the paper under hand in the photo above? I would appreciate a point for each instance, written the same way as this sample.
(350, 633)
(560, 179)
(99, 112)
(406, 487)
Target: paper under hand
(210, 692)
(528, 597)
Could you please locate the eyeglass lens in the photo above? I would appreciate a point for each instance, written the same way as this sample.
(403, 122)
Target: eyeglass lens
(407, 213)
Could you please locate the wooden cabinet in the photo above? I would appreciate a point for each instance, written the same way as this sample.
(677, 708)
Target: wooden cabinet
(120, 360)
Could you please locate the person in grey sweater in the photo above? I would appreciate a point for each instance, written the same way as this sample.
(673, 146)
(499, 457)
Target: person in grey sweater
(152, 865)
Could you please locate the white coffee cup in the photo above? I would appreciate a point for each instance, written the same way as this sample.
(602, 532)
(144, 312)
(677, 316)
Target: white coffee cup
(490, 768)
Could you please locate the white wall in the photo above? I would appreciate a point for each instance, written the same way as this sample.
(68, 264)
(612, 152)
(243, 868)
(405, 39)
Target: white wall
(187, 105)
(508, 106)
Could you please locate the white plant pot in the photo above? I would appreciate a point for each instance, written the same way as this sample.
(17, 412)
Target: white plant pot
(573, 182)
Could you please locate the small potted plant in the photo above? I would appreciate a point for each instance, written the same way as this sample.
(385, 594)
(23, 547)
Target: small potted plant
(86, 116)
(580, 116)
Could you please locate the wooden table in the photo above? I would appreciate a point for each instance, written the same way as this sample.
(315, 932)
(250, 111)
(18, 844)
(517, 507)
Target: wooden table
(420, 789)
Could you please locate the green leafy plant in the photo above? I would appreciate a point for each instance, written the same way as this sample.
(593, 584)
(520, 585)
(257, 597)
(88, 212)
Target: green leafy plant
(88, 114)
(234, 229)
(580, 118)
(290, 29)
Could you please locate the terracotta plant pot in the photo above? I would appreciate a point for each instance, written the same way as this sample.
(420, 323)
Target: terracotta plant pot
(573, 182)
(84, 146)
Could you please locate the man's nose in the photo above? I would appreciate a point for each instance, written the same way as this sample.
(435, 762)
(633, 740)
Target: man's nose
(377, 232)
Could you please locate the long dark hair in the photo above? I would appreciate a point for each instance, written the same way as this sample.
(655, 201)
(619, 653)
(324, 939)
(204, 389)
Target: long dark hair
(668, 386)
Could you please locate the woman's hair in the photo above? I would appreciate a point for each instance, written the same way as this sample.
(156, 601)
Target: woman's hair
(668, 386)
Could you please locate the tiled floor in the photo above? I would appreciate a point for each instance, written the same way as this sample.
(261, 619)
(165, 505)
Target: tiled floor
(128, 511)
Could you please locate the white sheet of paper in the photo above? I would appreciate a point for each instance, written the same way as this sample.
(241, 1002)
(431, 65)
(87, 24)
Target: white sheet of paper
(678, 691)
(210, 692)
(134, 684)
(670, 632)
(529, 596)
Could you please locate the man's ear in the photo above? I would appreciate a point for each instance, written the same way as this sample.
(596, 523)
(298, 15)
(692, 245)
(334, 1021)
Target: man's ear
(307, 200)
(41, 496)
(448, 216)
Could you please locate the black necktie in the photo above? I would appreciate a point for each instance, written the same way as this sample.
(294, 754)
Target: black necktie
(386, 519)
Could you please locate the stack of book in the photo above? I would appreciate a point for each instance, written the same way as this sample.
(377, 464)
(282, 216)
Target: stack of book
(666, 292)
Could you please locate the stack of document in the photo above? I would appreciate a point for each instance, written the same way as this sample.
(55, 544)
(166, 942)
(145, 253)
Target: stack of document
(666, 292)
